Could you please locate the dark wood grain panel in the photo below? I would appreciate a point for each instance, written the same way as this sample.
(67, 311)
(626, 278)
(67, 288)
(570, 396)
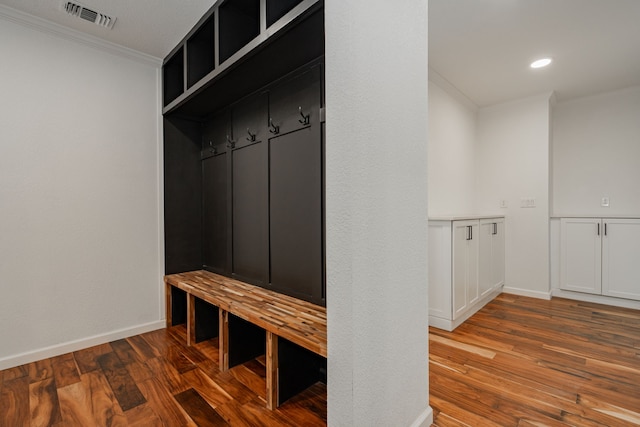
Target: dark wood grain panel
(65, 370)
(86, 359)
(40, 370)
(43, 403)
(131, 360)
(14, 401)
(258, 385)
(124, 387)
(15, 372)
(143, 416)
(211, 391)
(199, 410)
(163, 404)
(167, 375)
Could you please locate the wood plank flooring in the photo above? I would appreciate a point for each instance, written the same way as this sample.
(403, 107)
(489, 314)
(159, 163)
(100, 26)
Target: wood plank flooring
(518, 362)
(151, 379)
(527, 362)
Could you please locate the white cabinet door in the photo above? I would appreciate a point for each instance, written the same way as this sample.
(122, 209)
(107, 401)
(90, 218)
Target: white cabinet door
(465, 266)
(485, 268)
(497, 254)
(491, 261)
(580, 254)
(440, 269)
(621, 258)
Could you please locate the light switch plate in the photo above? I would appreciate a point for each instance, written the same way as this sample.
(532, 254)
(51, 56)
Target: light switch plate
(605, 202)
(528, 202)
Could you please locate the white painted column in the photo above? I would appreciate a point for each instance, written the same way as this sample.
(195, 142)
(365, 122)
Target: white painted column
(376, 193)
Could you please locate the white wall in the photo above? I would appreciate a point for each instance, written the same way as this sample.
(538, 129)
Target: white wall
(376, 207)
(452, 151)
(513, 163)
(79, 195)
(596, 153)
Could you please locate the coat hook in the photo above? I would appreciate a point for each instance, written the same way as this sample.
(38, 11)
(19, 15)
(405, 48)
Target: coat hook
(251, 137)
(230, 143)
(274, 129)
(212, 149)
(305, 117)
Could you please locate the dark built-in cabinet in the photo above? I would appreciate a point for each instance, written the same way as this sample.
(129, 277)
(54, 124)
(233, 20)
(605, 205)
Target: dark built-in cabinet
(244, 146)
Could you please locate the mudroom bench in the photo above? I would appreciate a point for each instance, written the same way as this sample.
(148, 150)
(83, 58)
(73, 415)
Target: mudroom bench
(251, 321)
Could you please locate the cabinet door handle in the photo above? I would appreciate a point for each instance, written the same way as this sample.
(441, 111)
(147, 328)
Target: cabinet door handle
(605, 228)
(495, 228)
(598, 229)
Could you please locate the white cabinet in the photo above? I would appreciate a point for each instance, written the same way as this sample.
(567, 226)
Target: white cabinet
(580, 254)
(491, 268)
(621, 258)
(466, 268)
(600, 256)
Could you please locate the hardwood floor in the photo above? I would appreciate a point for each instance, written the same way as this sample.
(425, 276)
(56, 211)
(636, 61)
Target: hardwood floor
(528, 362)
(148, 380)
(518, 362)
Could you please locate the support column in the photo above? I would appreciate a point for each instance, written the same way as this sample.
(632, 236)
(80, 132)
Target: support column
(376, 212)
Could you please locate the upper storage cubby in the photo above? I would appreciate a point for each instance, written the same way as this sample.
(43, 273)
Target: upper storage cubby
(173, 76)
(201, 52)
(238, 47)
(239, 24)
(276, 9)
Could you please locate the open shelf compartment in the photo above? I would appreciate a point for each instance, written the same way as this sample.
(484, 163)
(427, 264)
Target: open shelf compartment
(201, 52)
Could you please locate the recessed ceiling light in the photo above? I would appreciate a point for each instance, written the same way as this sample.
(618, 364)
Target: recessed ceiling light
(541, 63)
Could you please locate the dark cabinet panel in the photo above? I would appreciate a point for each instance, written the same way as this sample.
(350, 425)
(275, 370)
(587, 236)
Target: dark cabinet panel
(216, 133)
(295, 103)
(173, 77)
(250, 225)
(239, 24)
(295, 211)
(250, 118)
(182, 195)
(276, 9)
(214, 213)
(200, 52)
(250, 220)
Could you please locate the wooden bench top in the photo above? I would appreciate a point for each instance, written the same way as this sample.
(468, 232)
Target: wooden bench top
(300, 322)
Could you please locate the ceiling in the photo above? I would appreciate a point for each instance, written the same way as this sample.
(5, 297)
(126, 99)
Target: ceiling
(153, 27)
(482, 47)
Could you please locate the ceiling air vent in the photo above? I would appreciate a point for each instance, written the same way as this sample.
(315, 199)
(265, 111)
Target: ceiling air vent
(75, 9)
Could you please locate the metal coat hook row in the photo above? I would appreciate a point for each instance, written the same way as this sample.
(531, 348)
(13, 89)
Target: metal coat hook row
(230, 142)
(274, 129)
(212, 149)
(305, 117)
(251, 137)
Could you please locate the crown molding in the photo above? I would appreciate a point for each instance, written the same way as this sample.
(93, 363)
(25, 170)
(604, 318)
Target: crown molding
(51, 28)
(438, 79)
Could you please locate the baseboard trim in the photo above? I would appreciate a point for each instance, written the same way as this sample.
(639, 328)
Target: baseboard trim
(598, 299)
(425, 419)
(527, 293)
(56, 350)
